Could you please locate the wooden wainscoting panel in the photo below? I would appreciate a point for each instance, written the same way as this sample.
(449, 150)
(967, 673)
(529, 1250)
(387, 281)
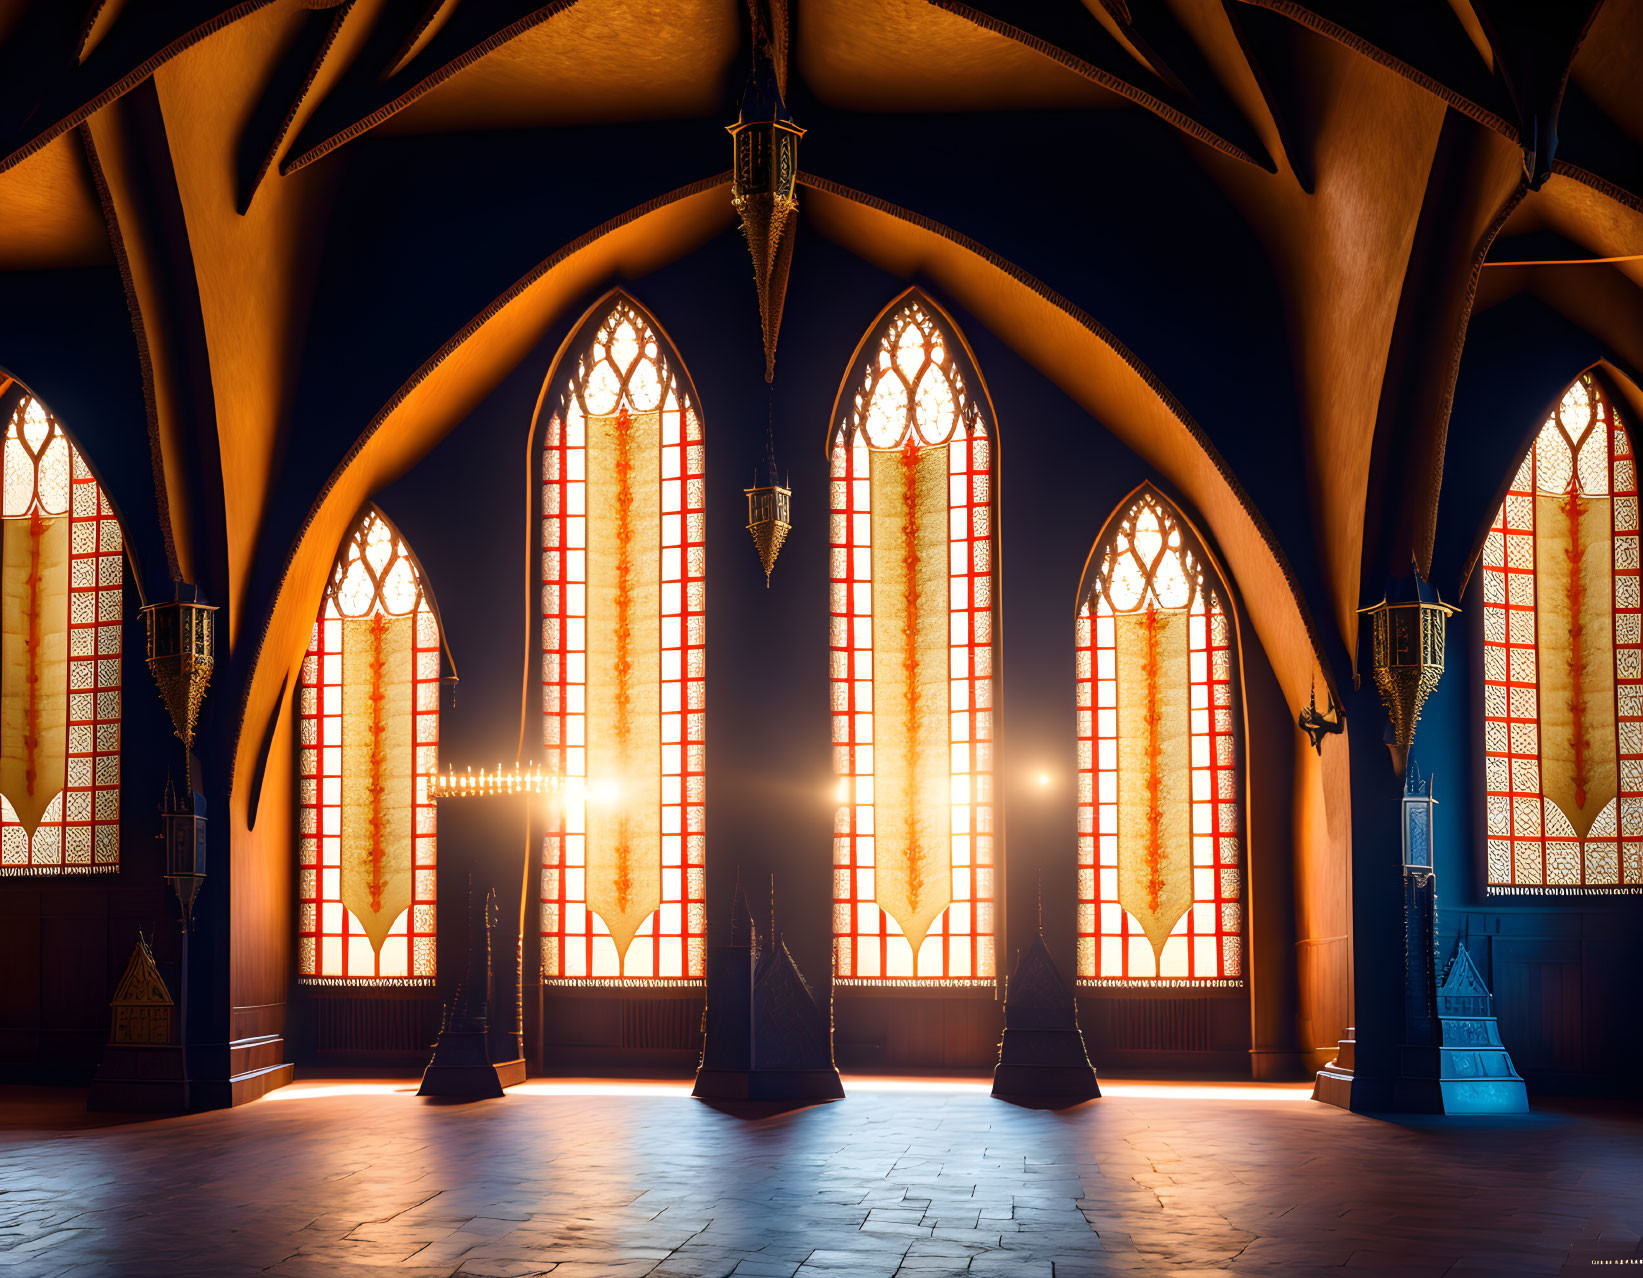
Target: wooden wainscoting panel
(661, 1025)
(370, 1025)
(1139, 1029)
(1539, 1005)
(638, 1029)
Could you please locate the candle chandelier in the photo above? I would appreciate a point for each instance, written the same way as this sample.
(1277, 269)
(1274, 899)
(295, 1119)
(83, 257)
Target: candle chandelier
(452, 784)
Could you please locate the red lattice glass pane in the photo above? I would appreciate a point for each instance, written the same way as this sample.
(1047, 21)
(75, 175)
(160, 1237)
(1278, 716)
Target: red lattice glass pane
(1148, 568)
(1563, 661)
(375, 577)
(913, 404)
(46, 481)
(624, 392)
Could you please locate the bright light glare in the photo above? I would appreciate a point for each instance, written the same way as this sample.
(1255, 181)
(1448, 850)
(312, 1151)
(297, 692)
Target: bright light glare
(1208, 1091)
(601, 1087)
(1043, 779)
(841, 792)
(1111, 1089)
(323, 1091)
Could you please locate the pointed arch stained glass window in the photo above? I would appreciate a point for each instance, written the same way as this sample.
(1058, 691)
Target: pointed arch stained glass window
(913, 653)
(368, 706)
(624, 662)
(1563, 660)
(1160, 878)
(62, 559)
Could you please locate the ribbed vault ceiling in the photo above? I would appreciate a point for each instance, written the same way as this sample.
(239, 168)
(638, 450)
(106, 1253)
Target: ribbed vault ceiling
(393, 198)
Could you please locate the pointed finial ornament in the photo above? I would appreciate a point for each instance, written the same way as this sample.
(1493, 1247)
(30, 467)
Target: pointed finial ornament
(763, 181)
(769, 506)
(742, 932)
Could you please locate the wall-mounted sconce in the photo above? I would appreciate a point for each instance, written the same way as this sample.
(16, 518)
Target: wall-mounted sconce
(1318, 726)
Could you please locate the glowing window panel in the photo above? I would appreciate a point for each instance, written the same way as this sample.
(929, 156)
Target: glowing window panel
(912, 651)
(624, 580)
(1160, 871)
(368, 739)
(1563, 661)
(64, 579)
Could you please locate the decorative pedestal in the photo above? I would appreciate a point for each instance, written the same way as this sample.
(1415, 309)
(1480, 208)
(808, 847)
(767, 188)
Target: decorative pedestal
(1041, 1055)
(1467, 1069)
(142, 1071)
(1450, 1059)
(766, 1037)
(462, 1066)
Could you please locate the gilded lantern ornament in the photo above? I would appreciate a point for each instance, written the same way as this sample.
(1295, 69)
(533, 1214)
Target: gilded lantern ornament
(180, 645)
(763, 176)
(1407, 661)
(769, 519)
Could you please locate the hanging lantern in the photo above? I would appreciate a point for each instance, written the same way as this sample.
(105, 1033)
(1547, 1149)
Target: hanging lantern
(763, 176)
(1407, 659)
(180, 645)
(769, 519)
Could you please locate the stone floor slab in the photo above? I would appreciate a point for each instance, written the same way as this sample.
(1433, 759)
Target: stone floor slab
(592, 1180)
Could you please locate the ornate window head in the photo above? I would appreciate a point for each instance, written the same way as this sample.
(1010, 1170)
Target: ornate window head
(1160, 869)
(375, 573)
(913, 591)
(38, 462)
(62, 558)
(911, 389)
(1146, 562)
(368, 707)
(623, 660)
(1563, 660)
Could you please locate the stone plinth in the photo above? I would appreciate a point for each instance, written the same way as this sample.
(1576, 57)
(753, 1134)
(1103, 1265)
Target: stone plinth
(1041, 1055)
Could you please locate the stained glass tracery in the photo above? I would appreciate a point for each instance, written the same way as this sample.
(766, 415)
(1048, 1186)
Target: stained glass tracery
(368, 716)
(624, 663)
(60, 633)
(913, 589)
(1160, 874)
(1563, 660)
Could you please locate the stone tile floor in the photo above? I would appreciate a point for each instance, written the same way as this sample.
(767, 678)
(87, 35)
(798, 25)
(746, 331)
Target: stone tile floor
(601, 1179)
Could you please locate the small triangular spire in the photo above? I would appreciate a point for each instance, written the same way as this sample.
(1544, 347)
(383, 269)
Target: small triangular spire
(741, 918)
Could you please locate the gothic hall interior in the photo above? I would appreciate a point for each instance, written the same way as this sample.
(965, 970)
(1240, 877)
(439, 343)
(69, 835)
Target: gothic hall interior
(805, 638)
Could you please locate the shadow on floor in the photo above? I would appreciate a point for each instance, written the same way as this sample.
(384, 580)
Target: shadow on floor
(1056, 1103)
(758, 1110)
(27, 1112)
